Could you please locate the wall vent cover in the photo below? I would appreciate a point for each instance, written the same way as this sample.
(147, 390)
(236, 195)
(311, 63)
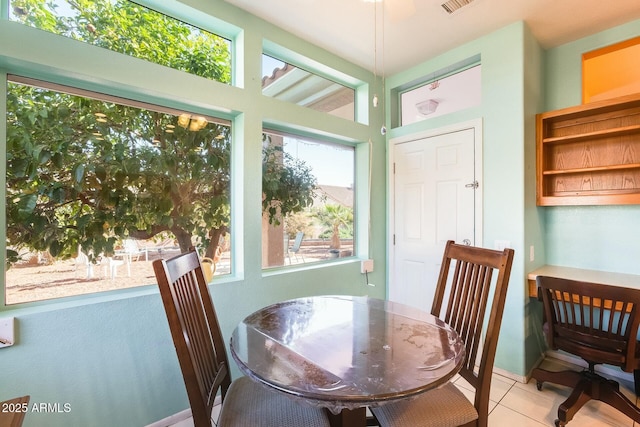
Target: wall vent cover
(453, 5)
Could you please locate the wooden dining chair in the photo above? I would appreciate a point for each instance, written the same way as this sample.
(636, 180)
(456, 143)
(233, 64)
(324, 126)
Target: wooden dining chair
(470, 294)
(13, 411)
(598, 323)
(203, 358)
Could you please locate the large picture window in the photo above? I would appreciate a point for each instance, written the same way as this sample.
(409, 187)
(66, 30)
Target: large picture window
(308, 200)
(126, 27)
(98, 187)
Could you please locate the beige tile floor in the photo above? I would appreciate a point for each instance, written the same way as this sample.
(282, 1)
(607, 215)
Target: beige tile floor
(522, 405)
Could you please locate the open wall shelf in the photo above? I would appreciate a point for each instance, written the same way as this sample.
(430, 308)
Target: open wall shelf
(589, 154)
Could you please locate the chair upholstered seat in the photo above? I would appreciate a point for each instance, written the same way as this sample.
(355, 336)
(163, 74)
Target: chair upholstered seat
(443, 407)
(249, 404)
(466, 277)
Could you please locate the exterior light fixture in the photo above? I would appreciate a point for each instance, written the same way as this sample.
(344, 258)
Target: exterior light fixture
(193, 123)
(427, 107)
(197, 123)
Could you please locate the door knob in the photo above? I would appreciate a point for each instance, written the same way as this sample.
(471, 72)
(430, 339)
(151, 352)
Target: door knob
(467, 242)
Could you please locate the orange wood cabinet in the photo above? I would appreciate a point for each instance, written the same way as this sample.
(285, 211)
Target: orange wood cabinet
(589, 154)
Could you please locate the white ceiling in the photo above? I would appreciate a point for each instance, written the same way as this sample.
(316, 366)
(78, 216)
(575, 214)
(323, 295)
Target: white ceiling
(346, 27)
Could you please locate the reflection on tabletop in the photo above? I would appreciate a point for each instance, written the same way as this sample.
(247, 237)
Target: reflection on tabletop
(346, 352)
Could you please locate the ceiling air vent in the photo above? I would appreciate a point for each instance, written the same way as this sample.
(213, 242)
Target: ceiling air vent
(453, 5)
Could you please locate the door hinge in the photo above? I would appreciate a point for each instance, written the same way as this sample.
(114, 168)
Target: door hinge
(394, 239)
(473, 185)
(394, 168)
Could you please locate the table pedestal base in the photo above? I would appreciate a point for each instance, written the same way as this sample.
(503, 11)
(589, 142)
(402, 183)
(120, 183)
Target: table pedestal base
(349, 418)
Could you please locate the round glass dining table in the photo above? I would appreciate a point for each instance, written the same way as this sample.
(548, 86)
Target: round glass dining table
(346, 353)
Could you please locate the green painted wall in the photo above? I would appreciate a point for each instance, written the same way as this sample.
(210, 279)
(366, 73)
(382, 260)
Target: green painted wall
(593, 237)
(520, 79)
(534, 248)
(110, 356)
(507, 123)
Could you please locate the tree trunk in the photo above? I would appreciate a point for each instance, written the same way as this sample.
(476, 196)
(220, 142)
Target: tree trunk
(184, 239)
(214, 240)
(335, 238)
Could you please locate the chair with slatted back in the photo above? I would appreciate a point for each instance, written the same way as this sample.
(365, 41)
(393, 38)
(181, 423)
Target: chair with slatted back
(470, 293)
(13, 411)
(598, 323)
(203, 358)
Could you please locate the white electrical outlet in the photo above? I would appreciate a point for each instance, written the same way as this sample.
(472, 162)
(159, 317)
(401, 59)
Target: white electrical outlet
(532, 254)
(6, 331)
(366, 266)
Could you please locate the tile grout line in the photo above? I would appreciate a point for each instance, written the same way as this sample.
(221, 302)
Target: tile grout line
(511, 387)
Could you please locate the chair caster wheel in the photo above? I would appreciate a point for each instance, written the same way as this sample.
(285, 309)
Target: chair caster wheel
(559, 423)
(539, 385)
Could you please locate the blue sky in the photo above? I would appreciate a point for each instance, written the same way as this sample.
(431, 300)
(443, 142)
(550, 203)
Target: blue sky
(331, 163)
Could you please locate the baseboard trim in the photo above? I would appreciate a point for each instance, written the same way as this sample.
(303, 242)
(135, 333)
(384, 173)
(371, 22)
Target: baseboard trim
(510, 375)
(180, 416)
(172, 419)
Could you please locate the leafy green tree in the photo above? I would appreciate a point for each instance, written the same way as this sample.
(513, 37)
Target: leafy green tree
(88, 172)
(288, 183)
(126, 27)
(300, 221)
(84, 171)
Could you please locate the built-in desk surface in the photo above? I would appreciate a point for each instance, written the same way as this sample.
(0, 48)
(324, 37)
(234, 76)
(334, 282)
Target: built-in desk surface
(605, 277)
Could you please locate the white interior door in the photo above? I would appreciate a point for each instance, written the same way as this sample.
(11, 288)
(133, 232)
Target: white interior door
(435, 199)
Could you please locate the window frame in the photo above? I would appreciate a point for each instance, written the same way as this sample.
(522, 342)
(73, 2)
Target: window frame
(129, 101)
(358, 198)
(46, 64)
(360, 88)
(303, 80)
(189, 16)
